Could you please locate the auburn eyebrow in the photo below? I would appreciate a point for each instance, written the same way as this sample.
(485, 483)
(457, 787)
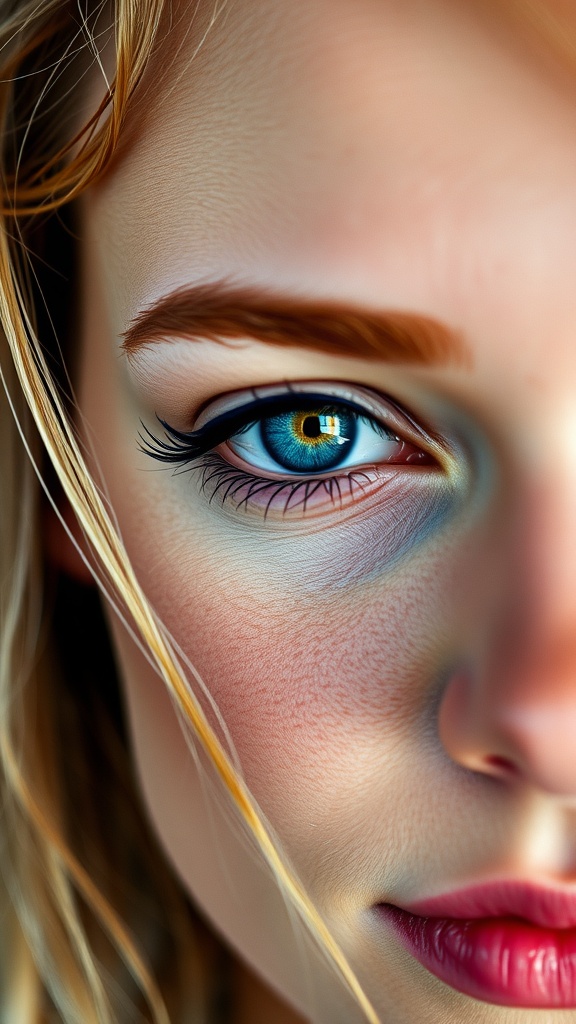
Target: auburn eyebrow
(219, 312)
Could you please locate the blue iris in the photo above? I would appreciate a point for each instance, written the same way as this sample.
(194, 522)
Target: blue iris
(310, 441)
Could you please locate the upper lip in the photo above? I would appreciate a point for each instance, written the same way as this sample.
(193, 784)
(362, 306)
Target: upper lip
(546, 907)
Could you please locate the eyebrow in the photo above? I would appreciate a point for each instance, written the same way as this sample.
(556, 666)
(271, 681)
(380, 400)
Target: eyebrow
(219, 312)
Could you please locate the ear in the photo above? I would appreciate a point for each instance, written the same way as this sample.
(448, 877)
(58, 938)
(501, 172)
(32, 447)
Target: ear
(64, 550)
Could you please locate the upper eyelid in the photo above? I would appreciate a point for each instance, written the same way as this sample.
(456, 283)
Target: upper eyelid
(197, 442)
(362, 400)
(381, 407)
(256, 409)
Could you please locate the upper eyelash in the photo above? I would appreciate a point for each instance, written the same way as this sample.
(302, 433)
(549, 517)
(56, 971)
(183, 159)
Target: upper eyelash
(185, 446)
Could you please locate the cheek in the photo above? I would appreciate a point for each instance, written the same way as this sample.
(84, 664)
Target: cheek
(320, 691)
(327, 698)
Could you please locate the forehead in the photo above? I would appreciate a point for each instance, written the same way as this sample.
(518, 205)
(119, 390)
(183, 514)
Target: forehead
(408, 154)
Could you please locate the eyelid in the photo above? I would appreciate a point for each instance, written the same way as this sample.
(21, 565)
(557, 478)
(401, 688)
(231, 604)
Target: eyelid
(384, 409)
(327, 389)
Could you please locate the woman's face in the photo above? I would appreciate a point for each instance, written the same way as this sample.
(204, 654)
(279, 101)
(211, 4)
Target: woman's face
(370, 559)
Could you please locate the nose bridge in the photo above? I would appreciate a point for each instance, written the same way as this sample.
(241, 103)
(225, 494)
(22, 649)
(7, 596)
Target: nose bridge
(528, 662)
(546, 549)
(511, 711)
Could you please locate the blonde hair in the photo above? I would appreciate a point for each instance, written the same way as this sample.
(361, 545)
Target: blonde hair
(68, 945)
(77, 943)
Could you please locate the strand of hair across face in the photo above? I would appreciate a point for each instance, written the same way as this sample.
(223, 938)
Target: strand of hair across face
(61, 445)
(47, 189)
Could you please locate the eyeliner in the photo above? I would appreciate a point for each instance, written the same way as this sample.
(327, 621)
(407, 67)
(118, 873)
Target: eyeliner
(193, 444)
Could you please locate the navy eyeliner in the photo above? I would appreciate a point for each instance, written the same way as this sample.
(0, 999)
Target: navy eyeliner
(189, 445)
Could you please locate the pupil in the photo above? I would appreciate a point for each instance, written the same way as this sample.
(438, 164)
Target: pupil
(311, 426)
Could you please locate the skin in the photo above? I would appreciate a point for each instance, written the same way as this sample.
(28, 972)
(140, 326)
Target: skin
(420, 157)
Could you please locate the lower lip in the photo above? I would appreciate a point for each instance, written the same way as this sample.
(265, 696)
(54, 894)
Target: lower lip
(498, 960)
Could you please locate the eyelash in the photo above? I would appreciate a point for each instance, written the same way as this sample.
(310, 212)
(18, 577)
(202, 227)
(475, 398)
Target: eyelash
(195, 450)
(213, 467)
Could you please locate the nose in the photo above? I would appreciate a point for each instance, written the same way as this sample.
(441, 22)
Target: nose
(521, 728)
(510, 713)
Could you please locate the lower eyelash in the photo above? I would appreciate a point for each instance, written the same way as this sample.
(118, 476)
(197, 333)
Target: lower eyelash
(226, 482)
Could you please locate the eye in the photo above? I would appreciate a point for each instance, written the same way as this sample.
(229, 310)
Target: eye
(314, 438)
(296, 432)
(303, 449)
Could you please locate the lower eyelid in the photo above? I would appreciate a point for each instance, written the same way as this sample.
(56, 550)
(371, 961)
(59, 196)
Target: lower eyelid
(396, 523)
(401, 454)
(280, 497)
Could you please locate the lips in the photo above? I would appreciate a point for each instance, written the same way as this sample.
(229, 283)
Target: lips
(549, 908)
(509, 943)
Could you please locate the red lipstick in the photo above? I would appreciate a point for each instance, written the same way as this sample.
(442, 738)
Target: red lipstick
(509, 943)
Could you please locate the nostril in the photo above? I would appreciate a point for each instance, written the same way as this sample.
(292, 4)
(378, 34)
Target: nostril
(503, 765)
